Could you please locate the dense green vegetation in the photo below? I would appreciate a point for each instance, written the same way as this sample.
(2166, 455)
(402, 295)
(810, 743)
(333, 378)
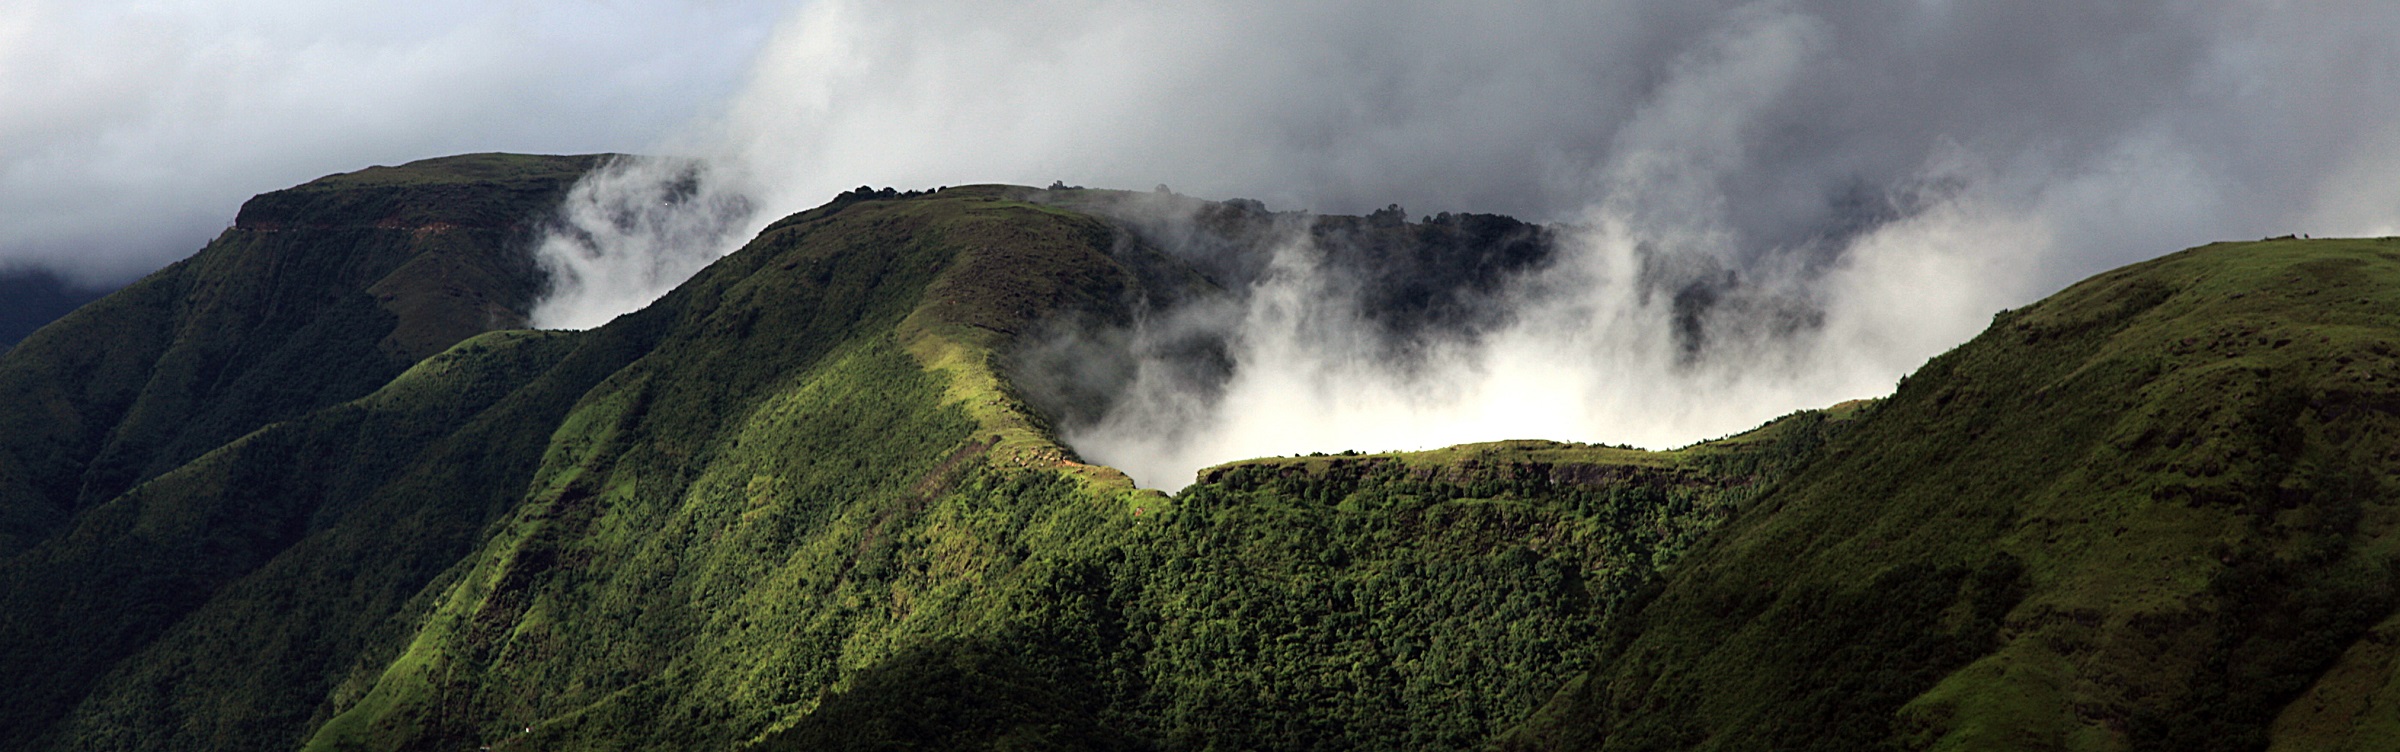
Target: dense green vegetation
(2151, 512)
(702, 555)
(241, 587)
(1385, 602)
(853, 504)
(149, 466)
(800, 483)
(305, 500)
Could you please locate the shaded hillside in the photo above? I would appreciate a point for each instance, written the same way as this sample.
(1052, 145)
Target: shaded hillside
(319, 294)
(144, 467)
(2153, 512)
(790, 484)
(245, 599)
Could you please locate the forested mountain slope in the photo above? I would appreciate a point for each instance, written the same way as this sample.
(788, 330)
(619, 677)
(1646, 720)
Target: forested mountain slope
(322, 496)
(2154, 512)
(319, 295)
(797, 495)
(817, 515)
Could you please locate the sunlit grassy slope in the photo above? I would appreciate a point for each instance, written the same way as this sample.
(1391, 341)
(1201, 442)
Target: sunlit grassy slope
(814, 514)
(2154, 512)
(780, 507)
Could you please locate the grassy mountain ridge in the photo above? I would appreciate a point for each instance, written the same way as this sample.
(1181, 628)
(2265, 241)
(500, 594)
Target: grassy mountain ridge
(811, 499)
(850, 492)
(854, 502)
(841, 407)
(2150, 512)
(254, 345)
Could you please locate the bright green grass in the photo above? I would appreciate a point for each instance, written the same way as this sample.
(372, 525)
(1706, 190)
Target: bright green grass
(2146, 513)
(769, 500)
(814, 494)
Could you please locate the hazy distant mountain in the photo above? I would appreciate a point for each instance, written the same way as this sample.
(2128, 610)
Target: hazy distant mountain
(32, 298)
(313, 488)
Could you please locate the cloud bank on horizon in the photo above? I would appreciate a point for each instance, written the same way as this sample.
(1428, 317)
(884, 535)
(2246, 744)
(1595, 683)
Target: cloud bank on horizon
(130, 133)
(1901, 169)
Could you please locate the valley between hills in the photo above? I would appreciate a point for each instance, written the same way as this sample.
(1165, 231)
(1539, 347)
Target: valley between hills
(319, 486)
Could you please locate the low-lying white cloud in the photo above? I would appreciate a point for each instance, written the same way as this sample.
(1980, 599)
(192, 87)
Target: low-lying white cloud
(631, 231)
(1590, 352)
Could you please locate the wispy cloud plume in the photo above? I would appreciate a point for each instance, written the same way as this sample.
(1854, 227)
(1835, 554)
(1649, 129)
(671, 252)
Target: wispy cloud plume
(631, 231)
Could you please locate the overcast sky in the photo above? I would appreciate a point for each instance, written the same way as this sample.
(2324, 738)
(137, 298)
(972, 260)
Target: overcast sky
(130, 132)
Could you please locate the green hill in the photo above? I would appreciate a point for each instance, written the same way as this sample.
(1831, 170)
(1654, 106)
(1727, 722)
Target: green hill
(2151, 512)
(815, 514)
(797, 498)
(801, 503)
(146, 456)
(317, 295)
